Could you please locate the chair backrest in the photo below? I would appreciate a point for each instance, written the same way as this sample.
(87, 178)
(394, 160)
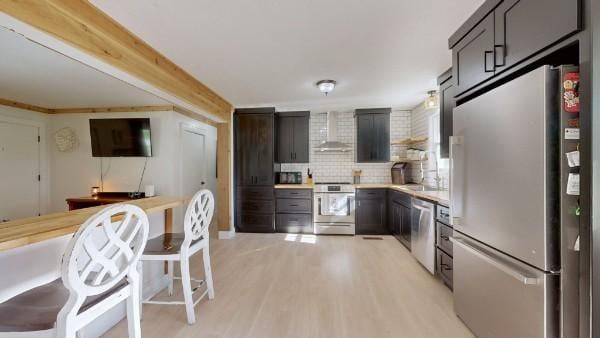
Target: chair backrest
(198, 215)
(104, 249)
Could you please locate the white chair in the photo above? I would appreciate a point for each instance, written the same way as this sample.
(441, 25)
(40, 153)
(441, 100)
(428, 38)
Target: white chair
(172, 247)
(98, 271)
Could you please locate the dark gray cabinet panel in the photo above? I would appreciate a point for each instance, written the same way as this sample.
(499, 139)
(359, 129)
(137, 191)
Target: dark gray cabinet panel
(444, 268)
(371, 212)
(473, 56)
(502, 34)
(447, 104)
(295, 223)
(293, 137)
(294, 205)
(294, 193)
(254, 151)
(285, 139)
(254, 136)
(373, 135)
(249, 222)
(294, 211)
(443, 235)
(524, 27)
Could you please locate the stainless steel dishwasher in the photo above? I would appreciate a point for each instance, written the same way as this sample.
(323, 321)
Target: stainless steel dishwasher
(422, 240)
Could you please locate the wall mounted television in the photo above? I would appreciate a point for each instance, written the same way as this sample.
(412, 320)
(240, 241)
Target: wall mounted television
(128, 137)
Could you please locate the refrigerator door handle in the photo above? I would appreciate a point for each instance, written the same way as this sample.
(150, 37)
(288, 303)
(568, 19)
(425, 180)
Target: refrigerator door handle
(456, 179)
(527, 280)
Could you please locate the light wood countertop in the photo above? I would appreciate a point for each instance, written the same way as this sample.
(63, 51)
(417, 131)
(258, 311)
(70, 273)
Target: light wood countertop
(26, 231)
(294, 186)
(441, 197)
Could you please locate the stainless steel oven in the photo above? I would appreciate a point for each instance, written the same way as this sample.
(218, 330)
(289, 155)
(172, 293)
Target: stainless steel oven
(334, 208)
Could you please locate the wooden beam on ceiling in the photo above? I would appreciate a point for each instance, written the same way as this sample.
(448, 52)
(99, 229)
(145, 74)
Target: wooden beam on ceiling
(97, 110)
(21, 105)
(80, 24)
(111, 109)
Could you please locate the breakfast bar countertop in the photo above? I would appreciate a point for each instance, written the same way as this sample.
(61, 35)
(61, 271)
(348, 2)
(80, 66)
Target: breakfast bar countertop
(21, 232)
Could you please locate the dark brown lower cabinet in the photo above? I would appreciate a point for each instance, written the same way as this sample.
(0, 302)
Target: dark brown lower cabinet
(255, 209)
(294, 211)
(444, 267)
(371, 206)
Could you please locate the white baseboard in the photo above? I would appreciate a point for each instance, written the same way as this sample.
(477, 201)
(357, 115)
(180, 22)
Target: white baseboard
(227, 234)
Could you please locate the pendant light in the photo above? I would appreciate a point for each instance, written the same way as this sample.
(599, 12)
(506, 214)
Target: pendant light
(432, 99)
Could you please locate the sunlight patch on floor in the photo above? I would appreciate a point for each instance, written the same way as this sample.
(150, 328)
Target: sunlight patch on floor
(308, 239)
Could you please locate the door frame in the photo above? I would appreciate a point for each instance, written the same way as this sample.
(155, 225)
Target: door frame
(194, 129)
(43, 158)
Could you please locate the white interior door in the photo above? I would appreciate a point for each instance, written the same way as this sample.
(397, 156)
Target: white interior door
(193, 162)
(19, 170)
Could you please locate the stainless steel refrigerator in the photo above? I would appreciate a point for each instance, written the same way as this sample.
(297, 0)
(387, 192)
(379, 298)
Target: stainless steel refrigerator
(505, 208)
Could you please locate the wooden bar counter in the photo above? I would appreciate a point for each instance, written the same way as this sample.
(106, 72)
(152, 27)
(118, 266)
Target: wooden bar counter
(26, 231)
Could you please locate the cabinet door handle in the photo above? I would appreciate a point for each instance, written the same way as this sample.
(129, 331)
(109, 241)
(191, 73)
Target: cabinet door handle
(446, 238)
(499, 55)
(485, 61)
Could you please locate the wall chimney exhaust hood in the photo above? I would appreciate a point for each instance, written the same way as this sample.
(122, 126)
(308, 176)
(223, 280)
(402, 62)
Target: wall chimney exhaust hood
(332, 144)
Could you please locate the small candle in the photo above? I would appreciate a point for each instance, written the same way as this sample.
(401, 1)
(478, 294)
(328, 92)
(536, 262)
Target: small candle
(95, 191)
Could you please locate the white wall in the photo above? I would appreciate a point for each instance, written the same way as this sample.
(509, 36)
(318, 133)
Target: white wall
(74, 173)
(337, 167)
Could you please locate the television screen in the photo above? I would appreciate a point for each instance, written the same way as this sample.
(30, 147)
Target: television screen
(121, 137)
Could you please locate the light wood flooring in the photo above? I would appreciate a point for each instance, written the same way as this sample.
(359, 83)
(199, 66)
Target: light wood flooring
(277, 285)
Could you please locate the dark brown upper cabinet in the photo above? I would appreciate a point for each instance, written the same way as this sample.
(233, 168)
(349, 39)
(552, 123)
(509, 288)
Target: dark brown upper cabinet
(524, 27)
(447, 104)
(504, 33)
(473, 56)
(254, 147)
(293, 137)
(373, 135)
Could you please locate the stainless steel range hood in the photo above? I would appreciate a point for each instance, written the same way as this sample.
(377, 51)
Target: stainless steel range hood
(332, 144)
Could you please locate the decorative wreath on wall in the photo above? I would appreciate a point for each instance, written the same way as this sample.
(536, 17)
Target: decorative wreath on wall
(66, 139)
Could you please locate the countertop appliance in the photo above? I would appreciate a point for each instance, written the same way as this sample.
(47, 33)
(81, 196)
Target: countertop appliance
(399, 173)
(505, 208)
(289, 177)
(422, 238)
(334, 208)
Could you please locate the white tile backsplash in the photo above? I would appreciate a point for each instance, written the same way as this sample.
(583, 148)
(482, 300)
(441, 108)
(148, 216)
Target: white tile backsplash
(337, 167)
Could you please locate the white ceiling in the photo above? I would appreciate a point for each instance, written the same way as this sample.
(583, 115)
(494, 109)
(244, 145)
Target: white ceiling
(36, 75)
(259, 52)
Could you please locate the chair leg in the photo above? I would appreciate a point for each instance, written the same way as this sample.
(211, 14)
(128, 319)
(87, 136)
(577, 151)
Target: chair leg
(208, 273)
(140, 267)
(187, 289)
(170, 274)
(133, 307)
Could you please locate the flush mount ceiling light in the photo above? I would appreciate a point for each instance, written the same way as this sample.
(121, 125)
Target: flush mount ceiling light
(432, 99)
(326, 86)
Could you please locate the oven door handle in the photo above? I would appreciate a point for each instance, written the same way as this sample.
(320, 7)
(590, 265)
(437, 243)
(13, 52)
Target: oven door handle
(319, 206)
(349, 201)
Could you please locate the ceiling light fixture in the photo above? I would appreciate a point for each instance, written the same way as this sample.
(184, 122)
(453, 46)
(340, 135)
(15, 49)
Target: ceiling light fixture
(326, 86)
(432, 100)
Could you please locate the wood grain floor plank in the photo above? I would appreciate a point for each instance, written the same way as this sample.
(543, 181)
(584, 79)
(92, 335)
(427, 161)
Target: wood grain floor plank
(346, 287)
